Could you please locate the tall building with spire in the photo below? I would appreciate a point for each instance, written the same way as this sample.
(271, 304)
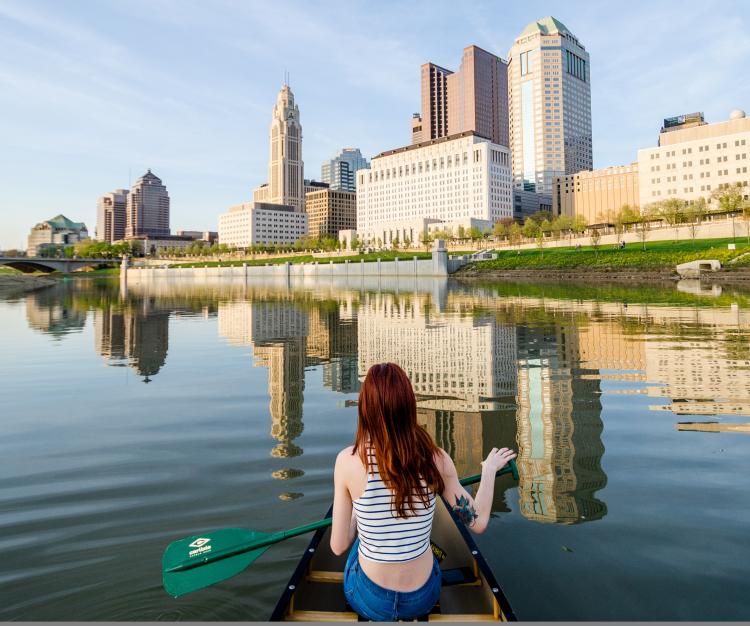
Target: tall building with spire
(550, 105)
(147, 208)
(285, 167)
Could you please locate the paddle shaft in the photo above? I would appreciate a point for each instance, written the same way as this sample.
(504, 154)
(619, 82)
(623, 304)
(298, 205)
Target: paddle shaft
(259, 544)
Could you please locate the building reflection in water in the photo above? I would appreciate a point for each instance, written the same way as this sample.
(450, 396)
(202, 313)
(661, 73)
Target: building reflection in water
(136, 336)
(488, 371)
(559, 429)
(53, 315)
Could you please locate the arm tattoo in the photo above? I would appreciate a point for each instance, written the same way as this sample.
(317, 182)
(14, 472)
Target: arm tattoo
(464, 510)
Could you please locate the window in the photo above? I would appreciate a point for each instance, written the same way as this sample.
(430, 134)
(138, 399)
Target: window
(527, 65)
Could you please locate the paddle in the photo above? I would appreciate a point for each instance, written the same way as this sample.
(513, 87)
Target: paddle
(203, 560)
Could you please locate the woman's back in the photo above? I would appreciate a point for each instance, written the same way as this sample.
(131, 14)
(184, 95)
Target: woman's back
(385, 536)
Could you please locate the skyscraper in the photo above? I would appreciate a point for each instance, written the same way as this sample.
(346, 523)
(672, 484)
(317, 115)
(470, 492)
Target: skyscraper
(475, 98)
(147, 208)
(111, 210)
(339, 172)
(434, 103)
(285, 167)
(550, 105)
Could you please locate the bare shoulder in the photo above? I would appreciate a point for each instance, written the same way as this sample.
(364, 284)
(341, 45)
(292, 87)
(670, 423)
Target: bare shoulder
(346, 459)
(443, 461)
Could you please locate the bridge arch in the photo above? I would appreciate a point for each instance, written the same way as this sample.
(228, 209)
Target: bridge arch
(40, 264)
(27, 267)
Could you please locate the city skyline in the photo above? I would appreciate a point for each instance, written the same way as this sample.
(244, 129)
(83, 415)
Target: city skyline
(65, 102)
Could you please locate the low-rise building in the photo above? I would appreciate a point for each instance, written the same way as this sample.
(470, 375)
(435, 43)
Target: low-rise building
(596, 195)
(329, 211)
(461, 180)
(260, 193)
(58, 231)
(695, 158)
(526, 203)
(260, 223)
(208, 236)
(158, 245)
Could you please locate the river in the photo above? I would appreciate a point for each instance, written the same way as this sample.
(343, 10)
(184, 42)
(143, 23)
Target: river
(134, 417)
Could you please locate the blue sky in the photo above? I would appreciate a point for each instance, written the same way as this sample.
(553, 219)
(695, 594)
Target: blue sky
(93, 93)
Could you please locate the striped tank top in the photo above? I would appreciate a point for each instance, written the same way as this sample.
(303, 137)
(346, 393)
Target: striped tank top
(383, 536)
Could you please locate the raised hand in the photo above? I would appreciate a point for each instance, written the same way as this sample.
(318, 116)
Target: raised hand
(497, 459)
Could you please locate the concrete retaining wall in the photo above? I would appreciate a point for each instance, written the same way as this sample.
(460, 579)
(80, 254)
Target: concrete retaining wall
(439, 266)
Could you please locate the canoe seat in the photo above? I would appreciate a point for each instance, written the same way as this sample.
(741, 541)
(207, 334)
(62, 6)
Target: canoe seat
(320, 576)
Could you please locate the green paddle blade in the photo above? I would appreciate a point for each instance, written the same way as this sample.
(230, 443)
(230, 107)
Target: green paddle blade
(193, 554)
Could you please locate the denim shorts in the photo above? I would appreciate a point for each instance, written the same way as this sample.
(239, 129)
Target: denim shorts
(379, 604)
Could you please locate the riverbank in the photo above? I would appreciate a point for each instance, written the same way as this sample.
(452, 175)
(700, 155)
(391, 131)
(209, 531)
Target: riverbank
(632, 264)
(14, 284)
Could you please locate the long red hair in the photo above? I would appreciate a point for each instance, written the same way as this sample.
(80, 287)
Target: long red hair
(405, 452)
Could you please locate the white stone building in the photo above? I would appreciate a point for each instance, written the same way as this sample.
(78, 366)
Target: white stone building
(257, 223)
(459, 180)
(694, 158)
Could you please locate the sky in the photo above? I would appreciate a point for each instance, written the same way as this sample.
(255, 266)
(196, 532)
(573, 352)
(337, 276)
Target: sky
(94, 93)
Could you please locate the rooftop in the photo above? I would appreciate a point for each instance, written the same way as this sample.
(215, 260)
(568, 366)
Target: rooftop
(546, 26)
(61, 222)
(432, 142)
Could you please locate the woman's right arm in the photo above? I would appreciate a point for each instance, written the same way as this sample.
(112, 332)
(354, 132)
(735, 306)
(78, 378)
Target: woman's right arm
(474, 512)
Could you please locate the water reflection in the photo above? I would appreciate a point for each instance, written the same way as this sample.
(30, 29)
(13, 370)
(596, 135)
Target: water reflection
(489, 368)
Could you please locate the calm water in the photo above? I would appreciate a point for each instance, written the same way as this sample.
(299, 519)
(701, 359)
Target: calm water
(130, 419)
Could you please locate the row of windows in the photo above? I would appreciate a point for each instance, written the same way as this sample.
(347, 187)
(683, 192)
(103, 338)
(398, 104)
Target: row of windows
(705, 148)
(575, 65)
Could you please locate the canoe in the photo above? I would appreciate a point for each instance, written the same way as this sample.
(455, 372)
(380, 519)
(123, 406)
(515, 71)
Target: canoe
(470, 592)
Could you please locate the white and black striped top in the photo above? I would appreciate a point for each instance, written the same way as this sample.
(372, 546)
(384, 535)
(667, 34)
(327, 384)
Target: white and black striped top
(383, 536)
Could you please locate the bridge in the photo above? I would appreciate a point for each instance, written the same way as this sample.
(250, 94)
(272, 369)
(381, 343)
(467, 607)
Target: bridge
(40, 264)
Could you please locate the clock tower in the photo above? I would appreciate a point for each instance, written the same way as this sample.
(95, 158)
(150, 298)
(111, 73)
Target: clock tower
(286, 169)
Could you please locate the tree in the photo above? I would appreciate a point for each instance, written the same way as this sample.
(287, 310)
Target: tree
(474, 233)
(561, 224)
(540, 241)
(514, 234)
(530, 228)
(407, 243)
(730, 200)
(426, 239)
(499, 231)
(694, 214)
(461, 232)
(596, 237)
(540, 216)
(644, 223)
(394, 242)
(671, 211)
(746, 218)
(579, 225)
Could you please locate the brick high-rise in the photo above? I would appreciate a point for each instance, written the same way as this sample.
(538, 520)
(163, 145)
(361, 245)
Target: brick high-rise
(475, 98)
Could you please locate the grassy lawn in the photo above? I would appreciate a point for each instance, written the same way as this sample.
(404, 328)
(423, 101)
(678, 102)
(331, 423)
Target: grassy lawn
(368, 258)
(657, 256)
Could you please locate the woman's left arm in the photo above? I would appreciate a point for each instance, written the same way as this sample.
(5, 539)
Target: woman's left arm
(344, 525)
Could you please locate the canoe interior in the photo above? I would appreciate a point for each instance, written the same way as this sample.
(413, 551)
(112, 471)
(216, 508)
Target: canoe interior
(470, 592)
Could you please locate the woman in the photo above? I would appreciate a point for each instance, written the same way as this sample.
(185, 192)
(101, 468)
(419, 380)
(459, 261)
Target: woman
(385, 489)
